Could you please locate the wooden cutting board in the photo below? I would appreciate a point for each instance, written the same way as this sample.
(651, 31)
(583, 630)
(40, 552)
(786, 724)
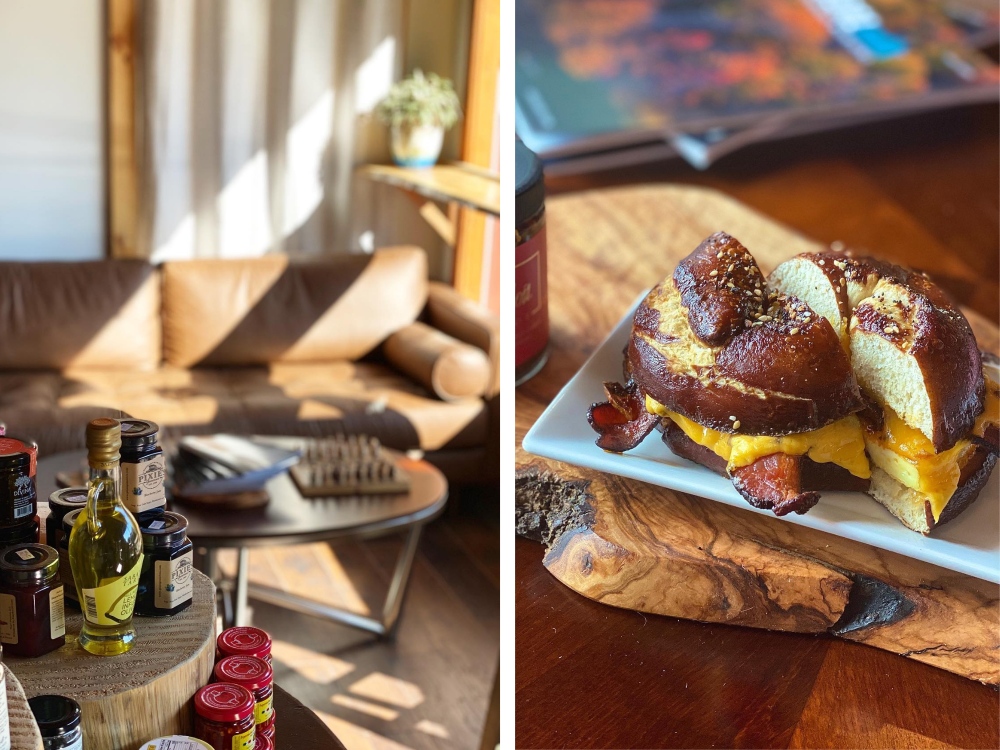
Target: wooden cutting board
(633, 545)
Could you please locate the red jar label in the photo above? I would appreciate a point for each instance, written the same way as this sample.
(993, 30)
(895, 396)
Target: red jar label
(531, 305)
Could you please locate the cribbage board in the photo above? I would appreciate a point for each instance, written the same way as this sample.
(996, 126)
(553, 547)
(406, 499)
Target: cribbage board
(347, 465)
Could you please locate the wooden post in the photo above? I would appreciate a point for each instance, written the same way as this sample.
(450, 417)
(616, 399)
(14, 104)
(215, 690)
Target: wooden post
(122, 132)
(477, 146)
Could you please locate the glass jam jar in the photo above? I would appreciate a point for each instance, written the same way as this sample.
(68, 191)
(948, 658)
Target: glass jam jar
(22, 534)
(265, 742)
(18, 501)
(58, 720)
(143, 469)
(65, 569)
(244, 641)
(62, 502)
(32, 616)
(531, 303)
(166, 584)
(256, 676)
(224, 716)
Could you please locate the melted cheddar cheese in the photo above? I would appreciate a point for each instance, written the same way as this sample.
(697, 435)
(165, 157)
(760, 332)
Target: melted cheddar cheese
(908, 456)
(841, 443)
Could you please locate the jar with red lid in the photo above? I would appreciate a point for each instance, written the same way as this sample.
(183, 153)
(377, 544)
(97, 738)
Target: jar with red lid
(224, 717)
(244, 641)
(256, 676)
(18, 500)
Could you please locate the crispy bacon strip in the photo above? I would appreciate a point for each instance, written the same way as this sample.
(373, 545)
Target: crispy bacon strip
(622, 421)
(775, 482)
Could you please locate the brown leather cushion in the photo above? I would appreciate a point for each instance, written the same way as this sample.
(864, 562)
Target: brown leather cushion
(270, 309)
(97, 314)
(445, 366)
(285, 399)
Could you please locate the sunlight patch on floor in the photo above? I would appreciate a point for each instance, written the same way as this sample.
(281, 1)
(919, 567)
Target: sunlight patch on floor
(356, 704)
(392, 690)
(308, 570)
(356, 738)
(315, 667)
(432, 728)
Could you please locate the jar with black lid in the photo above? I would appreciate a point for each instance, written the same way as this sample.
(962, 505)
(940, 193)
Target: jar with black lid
(62, 502)
(65, 569)
(18, 500)
(531, 302)
(27, 532)
(32, 617)
(166, 585)
(143, 467)
(58, 720)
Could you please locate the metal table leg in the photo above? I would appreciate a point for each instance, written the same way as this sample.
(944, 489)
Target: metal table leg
(383, 626)
(242, 575)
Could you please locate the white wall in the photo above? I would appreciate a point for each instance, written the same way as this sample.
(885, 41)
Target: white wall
(51, 151)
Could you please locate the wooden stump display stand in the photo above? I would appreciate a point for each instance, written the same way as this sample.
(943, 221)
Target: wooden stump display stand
(24, 734)
(629, 544)
(138, 696)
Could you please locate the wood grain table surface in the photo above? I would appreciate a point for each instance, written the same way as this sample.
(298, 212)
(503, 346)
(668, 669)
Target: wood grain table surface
(924, 191)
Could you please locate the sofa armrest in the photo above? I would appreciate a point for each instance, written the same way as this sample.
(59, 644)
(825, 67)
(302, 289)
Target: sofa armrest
(463, 319)
(449, 368)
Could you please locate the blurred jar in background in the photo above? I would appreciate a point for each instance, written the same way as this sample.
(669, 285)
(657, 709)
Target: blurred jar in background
(531, 305)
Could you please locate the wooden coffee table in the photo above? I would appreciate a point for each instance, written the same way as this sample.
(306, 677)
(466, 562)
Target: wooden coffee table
(290, 518)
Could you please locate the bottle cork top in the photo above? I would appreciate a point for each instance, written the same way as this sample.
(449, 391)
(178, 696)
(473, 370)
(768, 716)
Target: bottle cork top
(104, 442)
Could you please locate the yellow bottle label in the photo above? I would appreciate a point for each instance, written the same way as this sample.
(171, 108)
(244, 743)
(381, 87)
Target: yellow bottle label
(112, 603)
(262, 710)
(245, 740)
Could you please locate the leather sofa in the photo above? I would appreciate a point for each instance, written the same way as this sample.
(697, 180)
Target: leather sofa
(347, 343)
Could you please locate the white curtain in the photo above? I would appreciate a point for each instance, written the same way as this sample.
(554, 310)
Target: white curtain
(254, 117)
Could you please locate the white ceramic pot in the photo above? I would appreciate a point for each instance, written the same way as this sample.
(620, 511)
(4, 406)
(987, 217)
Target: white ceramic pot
(416, 145)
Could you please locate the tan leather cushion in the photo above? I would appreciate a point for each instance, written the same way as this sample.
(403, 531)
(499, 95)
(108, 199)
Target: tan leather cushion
(445, 366)
(270, 309)
(285, 399)
(463, 319)
(98, 314)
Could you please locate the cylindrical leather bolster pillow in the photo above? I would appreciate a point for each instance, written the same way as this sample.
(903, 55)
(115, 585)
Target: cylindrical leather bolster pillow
(447, 367)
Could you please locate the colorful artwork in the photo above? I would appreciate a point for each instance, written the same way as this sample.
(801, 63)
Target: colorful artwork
(600, 66)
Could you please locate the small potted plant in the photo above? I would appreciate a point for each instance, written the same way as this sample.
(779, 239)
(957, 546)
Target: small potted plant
(419, 110)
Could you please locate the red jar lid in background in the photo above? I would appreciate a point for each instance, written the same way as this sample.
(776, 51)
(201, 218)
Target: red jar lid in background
(264, 743)
(245, 641)
(223, 702)
(251, 672)
(10, 445)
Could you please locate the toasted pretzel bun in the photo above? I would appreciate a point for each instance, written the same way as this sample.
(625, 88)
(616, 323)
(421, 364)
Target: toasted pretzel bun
(911, 348)
(712, 343)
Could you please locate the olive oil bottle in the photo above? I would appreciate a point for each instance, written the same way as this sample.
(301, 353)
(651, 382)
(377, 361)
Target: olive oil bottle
(105, 549)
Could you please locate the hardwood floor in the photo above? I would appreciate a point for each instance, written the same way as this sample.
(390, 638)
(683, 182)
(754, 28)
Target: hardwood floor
(431, 687)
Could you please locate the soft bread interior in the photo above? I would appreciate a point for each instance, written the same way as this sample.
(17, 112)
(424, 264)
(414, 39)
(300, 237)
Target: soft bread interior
(805, 279)
(906, 504)
(885, 369)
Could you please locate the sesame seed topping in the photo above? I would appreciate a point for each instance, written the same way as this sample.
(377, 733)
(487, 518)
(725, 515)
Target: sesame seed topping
(757, 292)
(732, 418)
(840, 264)
(731, 266)
(736, 425)
(822, 262)
(843, 281)
(714, 273)
(765, 317)
(794, 331)
(758, 323)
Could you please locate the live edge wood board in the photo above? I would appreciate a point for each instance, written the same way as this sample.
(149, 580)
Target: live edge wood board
(628, 544)
(138, 696)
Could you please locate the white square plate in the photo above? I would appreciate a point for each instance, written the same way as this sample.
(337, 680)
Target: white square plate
(969, 544)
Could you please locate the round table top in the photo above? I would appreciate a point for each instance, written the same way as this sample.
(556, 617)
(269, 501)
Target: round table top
(290, 518)
(298, 726)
